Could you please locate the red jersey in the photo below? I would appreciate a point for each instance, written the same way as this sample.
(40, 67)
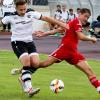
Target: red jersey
(68, 48)
(71, 39)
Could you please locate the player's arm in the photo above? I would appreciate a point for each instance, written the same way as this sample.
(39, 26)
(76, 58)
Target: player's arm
(51, 32)
(51, 20)
(83, 37)
(54, 21)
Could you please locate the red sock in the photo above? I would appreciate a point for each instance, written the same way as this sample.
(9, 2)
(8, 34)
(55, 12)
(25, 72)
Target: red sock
(95, 82)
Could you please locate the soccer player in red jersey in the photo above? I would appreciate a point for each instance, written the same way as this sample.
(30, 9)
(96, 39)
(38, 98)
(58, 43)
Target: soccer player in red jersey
(68, 48)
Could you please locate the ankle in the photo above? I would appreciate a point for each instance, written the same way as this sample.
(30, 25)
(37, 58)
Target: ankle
(95, 82)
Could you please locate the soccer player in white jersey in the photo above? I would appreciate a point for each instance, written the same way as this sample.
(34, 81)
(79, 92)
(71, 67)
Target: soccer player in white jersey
(22, 41)
(7, 7)
(64, 14)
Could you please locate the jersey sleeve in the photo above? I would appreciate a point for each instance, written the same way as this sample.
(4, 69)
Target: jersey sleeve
(77, 26)
(6, 20)
(36, 15)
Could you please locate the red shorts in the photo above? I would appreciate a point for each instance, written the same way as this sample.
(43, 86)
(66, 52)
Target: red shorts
(67, 54)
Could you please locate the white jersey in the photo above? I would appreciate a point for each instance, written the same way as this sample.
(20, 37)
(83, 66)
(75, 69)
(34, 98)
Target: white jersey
(8, 3)
(8, 6)
(76, 14)
(64, 16)
(21, 26)
(58, 15)
(70, 17)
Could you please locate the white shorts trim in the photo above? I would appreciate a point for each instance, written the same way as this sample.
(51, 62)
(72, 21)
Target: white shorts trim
(24, 54)
(32, 54)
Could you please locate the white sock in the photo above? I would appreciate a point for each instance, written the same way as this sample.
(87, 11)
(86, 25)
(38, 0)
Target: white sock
(28, 84)
(26, 77)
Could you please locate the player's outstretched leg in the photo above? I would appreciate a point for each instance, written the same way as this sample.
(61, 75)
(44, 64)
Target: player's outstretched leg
(83, 66)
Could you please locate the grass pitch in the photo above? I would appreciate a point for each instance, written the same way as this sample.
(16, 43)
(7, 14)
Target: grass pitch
(77, 86)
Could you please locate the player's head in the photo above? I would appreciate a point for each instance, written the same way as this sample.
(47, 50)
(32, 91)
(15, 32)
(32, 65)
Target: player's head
(64, 7)
(71, 11)
(21, 7)
(58, 7)
(78, 10)
(84, 15)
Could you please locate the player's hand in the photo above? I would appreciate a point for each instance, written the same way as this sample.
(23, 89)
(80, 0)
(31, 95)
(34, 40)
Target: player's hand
(93, 39)
(39, 33)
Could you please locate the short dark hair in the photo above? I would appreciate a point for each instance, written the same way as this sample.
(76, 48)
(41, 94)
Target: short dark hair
(20, 2)
(85, 10)
(58, 5)
(70, 9)
(98, 18)
(78, 8)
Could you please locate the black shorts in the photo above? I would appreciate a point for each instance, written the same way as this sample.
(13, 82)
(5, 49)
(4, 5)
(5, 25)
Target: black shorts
(20, 47)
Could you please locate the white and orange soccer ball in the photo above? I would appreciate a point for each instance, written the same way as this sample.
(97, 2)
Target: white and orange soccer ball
(57, 85)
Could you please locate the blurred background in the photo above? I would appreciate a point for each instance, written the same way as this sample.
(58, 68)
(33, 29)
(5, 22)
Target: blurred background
(49, 7)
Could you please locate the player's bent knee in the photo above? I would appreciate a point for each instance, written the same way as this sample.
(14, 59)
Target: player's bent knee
(25, 62)
(25, 59)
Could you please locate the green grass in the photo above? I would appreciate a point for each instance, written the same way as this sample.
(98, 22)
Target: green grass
(77, 86)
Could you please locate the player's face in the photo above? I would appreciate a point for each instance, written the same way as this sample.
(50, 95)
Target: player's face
(78, 11)
(58, 8)
(64, 8)
(84, 18)
(21, 9)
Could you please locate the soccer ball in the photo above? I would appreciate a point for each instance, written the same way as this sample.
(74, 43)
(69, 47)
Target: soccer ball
(57, 85)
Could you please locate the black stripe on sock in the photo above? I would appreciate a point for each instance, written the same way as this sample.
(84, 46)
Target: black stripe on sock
(26, 67)
(26, 72)
(32, 69)
(26, 79)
